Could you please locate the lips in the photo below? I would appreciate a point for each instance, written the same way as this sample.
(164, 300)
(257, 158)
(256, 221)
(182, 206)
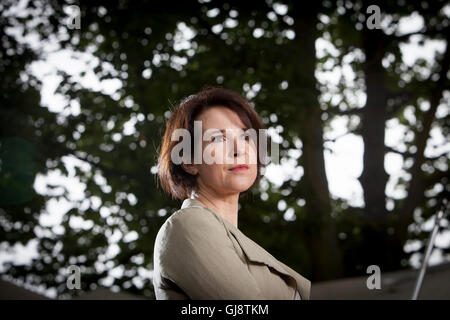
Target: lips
(239, 167)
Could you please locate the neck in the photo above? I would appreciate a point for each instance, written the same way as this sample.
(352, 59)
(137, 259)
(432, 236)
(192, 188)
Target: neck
(226, 206)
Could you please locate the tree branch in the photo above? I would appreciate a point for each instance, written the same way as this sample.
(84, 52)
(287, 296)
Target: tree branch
(402, 153)
(353, 111)
(417, 185)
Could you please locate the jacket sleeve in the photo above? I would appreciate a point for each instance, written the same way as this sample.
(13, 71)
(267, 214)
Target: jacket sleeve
(199, 257)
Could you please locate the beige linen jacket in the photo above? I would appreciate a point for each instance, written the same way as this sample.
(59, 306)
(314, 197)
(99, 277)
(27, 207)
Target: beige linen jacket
(200, 255)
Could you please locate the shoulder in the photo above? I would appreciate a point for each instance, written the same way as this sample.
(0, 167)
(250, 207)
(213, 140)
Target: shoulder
(193, 214)
(192, 218)
(189, 232)
(191, 223)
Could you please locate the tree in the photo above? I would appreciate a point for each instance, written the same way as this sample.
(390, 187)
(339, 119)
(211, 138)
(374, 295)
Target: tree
(161, 52)
(388, 97)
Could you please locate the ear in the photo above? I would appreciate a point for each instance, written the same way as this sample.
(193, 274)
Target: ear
(190, 168)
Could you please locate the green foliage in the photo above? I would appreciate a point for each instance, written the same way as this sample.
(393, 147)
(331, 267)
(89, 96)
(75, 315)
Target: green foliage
(130, 39)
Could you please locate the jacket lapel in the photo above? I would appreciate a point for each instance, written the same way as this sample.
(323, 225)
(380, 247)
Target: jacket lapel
(256, 253)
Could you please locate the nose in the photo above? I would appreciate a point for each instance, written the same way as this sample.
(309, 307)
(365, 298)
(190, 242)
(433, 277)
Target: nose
(239, 146)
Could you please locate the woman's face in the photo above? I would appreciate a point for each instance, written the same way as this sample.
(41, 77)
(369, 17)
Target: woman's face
(228, 148)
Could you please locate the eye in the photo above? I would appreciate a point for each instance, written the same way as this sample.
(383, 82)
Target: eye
(217, 138)
(245, 137)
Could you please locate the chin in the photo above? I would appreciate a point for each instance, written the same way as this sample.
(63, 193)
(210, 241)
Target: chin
(241, 187)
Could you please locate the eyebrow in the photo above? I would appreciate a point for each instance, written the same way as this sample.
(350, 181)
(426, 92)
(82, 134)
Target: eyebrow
(223, 130)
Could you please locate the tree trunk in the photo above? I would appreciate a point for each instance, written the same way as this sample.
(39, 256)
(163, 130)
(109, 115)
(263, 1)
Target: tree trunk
(374, 178)
(323, 242)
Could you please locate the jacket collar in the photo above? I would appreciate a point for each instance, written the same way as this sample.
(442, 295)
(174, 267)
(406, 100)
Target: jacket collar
(256, 253)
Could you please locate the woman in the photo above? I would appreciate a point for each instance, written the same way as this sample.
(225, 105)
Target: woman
(199, 251)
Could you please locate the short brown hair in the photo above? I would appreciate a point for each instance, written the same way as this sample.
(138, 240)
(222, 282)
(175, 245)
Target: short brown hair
(173, 178)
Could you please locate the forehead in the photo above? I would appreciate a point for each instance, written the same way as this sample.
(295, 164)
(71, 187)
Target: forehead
(219, 117)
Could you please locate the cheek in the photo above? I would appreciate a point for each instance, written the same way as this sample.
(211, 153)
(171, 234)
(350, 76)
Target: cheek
(253, 155)
(254, 171)
(214, 153)
(253, 160)
(213, 173)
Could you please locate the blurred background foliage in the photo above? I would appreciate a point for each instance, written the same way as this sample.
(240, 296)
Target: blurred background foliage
(266, 51)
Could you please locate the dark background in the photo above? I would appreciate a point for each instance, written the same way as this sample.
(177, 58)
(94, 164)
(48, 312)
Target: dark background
(275, 67)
